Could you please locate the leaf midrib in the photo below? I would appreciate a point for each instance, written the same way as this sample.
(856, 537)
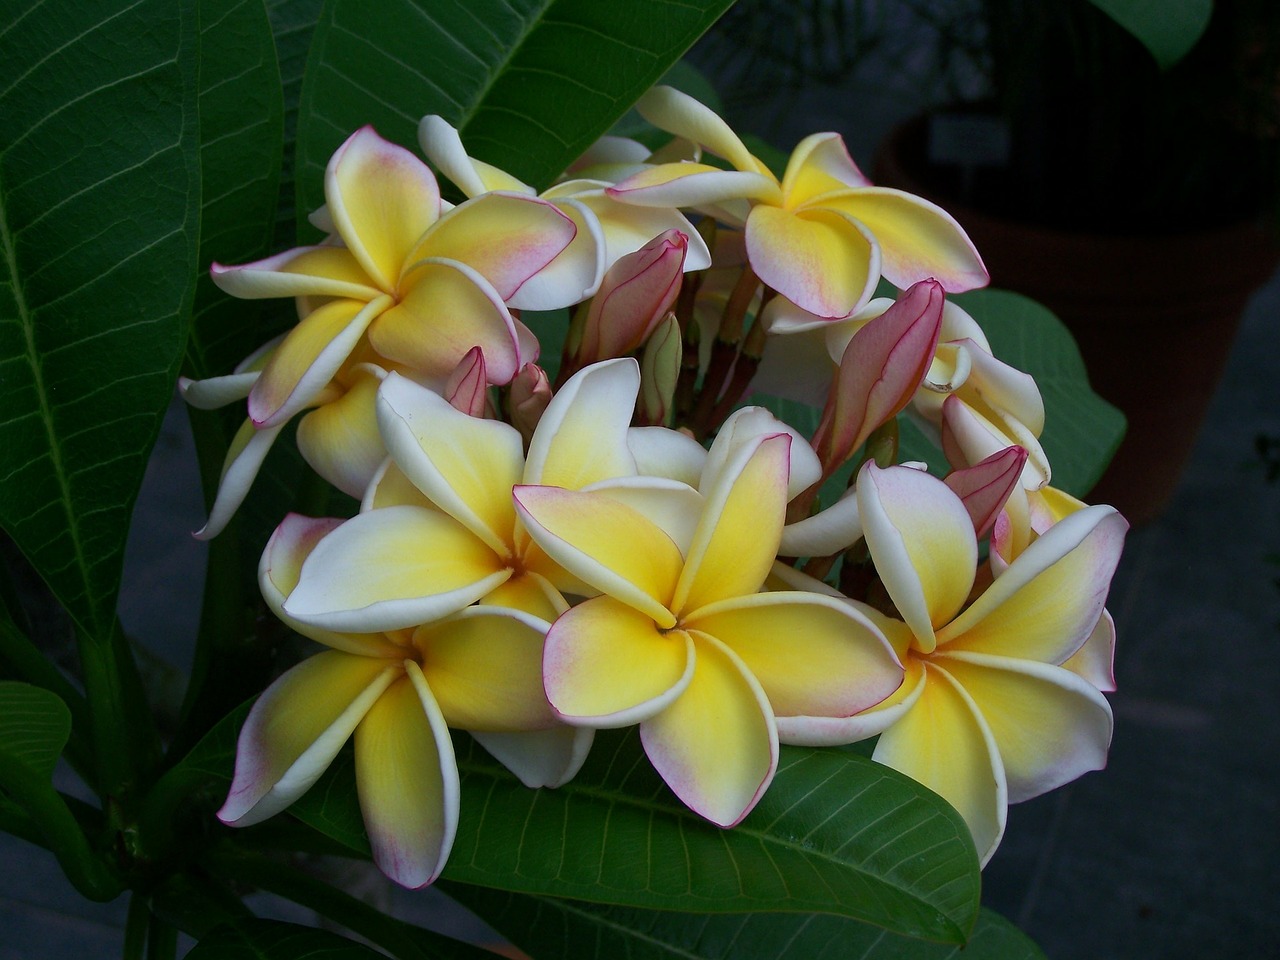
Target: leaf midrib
(683, 815)
(27, 321)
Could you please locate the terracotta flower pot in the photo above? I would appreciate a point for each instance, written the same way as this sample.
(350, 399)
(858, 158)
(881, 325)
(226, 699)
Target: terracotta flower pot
(1154, 317)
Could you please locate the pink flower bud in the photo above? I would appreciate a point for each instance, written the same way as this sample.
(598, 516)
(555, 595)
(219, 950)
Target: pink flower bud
(879, 372)
(984, 488)
(529, 395)
(467, 388)
(634, 296)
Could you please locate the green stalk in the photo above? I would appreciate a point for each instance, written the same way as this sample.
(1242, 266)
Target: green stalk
(124, 736)
(135, 928)
(58, 829)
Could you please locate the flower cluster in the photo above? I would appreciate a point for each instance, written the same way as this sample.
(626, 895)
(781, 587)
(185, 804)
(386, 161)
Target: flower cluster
(539, 554)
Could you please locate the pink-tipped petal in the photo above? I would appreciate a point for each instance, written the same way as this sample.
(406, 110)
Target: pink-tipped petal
(582, 436)
(828, 731)
(447, 309)
(737, 539)
(507, 238)
(1049, 725)
(716, 745)
(323, 271)
(608, 665)
(1045, 605)
(921, 540)
(819, 164)
(309, 357)
(1095, 660)
(813, 655)
(575, 272)
(917, 239)
(297, 727)
(944, 743)
(407, 779)
(278, 572)
(393, 568)
(688, 184)
(745, 427)
(464, 465)
(605, 543)
(819, 259)
(249, 447)
(381, 198)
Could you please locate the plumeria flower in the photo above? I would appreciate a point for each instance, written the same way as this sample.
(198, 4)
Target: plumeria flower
(680, 639)
(987, 714)
(397, 693)
(822, 236)
(438, 529)
(407, 284)
(607, 229)
(1027, 515)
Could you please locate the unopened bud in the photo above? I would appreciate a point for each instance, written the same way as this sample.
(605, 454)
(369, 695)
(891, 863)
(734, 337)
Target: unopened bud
(527, 398)
(467, 388)
(660, 372)
(635, 294)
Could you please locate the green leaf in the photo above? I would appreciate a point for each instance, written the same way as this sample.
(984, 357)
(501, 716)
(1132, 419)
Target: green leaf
(1167, 28)
(98, 204)
(292, 22)
(1082, 431)
(277, 940)
(546, 927)
(529, 83)
(241, 136)
(835, 833)
(34, 725)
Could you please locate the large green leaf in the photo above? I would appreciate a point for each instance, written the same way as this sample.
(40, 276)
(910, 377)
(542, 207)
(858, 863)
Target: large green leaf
(529, 83)
(1082, 431)
(1167, 28)
(34, 725)
(241, 137)
(99, 193)
(277, 940)
(548, 928)
(835, 833)
(292, 22)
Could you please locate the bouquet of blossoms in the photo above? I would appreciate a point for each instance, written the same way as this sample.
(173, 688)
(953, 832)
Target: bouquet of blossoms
(680, 550)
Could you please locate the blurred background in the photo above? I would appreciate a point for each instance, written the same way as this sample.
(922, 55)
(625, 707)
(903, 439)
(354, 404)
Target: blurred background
(1140, 203)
